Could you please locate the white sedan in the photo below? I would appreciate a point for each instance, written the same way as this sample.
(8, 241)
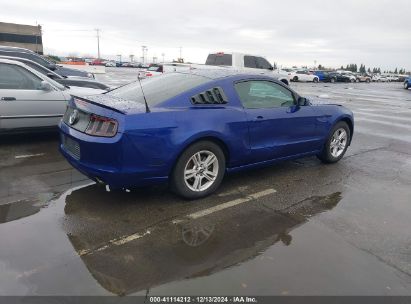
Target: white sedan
(303, 75)
(29, 99)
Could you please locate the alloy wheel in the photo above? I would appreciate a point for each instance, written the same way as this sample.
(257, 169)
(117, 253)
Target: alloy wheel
(338, 142)
(201, 171)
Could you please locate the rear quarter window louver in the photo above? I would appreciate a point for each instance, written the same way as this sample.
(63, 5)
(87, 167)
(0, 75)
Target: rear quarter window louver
(212, 96)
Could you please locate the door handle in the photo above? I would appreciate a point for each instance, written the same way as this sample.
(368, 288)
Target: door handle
(8, 98)
(259, 118)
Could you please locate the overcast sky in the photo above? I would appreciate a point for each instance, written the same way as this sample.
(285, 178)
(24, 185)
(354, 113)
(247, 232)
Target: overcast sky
(293, 32)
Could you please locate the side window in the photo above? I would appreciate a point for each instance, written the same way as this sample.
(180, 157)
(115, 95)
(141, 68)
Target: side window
(262, 63)
(258, 94)
(13, 77)
(249, 62)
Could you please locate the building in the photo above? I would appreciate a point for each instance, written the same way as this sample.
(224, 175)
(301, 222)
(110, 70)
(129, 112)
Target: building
(20, 35)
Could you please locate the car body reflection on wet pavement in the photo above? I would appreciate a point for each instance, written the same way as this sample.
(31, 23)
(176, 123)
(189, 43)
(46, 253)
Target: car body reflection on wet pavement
(188, 249)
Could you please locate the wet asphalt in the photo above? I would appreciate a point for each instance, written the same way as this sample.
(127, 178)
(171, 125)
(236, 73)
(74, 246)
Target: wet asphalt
(299, 228)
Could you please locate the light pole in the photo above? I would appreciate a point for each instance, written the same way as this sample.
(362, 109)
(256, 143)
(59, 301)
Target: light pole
(162, 55)
(119, 57)
(143, 50)
(98, 43)
(181, 54)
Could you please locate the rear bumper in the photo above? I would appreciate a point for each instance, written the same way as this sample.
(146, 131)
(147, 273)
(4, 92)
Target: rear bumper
(104, 160)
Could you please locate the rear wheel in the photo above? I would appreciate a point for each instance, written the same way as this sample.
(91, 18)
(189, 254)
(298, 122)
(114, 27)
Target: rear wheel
(315, 80)
(199, 170)
(406, 85)
(332, 80)
(295, 78)
(337, 143)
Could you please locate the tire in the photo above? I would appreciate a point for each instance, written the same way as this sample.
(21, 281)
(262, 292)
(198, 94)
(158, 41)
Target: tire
(203, 180)
(357, 80)
(332, 80)
(352, 80)
(315, 80)
(295, 78)
(368, 81)
(406, 85)
(333, 151)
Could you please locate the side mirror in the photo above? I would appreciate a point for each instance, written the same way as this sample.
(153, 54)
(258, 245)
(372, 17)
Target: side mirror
(45, 86)
(301, 101)
(51, 75)
(51, 67)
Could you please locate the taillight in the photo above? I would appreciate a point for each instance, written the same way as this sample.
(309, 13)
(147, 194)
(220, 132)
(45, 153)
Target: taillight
(149, 74)
(102, 126)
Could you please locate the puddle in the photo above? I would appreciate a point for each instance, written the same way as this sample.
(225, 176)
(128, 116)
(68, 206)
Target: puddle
(23, 208)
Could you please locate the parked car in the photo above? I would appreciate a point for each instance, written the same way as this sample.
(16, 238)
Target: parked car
(349, 75)
(159, 69)
(72, 81)
(110, 64)
(207, 123)
(245, 62)
(407, 83)
(363, 78)
(392, 78)
(30, 100)
(98, 62)
(321, 75)
(335, 77)
(303, 75)
(379, 78)
(28, 54)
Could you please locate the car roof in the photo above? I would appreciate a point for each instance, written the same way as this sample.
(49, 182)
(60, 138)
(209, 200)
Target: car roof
(9, 61)
(14, 48)
(214, 74)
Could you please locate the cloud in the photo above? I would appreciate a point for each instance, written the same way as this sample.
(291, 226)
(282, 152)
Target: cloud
(372, 32)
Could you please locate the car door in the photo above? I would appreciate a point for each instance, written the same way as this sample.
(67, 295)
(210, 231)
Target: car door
(278, 128)
(23, 102)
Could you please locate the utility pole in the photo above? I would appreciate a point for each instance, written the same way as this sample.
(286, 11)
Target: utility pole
(98, 43)
(162, 54)
(181, 56)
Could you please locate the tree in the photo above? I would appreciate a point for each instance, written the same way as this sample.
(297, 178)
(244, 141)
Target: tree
(396, 71)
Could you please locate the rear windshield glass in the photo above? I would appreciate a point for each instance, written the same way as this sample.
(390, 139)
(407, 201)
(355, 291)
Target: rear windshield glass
(219, 59)
(159, 88)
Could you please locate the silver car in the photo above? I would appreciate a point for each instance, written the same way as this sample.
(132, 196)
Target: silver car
(30, 100)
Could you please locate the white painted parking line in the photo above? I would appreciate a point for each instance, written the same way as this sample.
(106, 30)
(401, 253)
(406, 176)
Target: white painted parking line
(28, 155)
(117, 242)
(230, 204)
(135, 236)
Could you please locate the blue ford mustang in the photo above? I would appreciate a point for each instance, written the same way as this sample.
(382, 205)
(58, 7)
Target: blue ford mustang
(191, 128)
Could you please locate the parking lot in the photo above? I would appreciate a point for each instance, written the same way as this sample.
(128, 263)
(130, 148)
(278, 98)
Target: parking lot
(295, 228)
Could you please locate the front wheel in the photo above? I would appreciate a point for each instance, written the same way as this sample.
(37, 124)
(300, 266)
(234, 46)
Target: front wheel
(199, 170)
(315, 80)
(406, 86)
(336, 144)
(332, 80)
